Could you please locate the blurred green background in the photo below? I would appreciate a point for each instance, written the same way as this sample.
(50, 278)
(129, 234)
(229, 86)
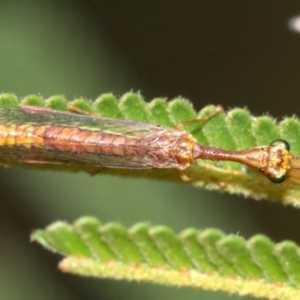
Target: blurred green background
(234, 53)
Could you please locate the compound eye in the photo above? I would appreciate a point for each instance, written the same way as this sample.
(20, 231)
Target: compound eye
(277, 179)
(281, 143)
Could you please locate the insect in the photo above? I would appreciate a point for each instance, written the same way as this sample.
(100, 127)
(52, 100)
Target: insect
(35, 135)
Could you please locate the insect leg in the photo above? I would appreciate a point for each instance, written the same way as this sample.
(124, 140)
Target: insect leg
(73, 108)
(216, 111)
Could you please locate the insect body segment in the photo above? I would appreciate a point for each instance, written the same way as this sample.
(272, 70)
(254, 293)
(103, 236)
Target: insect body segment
(57, 137)
(25, 135)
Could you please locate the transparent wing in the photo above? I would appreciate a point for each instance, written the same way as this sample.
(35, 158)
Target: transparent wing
(36, 116)
(294, 172)
(45, 116)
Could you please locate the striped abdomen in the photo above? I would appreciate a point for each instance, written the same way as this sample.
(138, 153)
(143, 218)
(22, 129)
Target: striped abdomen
(162, 148)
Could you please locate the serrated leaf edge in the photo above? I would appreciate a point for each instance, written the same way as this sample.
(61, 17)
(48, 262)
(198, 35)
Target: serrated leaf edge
(141, 270)
(224, 176)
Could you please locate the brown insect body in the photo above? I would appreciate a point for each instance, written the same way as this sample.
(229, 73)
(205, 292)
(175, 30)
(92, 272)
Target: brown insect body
(273, 160)
(142, 146)
(36, 135)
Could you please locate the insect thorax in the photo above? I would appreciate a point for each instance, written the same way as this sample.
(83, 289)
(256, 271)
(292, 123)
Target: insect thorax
(171, 149)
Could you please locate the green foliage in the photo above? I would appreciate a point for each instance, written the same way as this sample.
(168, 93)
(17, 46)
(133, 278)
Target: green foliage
(206, 259)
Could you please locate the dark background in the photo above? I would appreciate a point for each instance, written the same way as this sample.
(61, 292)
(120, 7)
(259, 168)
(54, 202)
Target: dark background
(233, 53)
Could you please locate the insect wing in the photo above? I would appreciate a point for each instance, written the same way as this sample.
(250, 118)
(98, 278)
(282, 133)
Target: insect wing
(35, 116)
(47, 116)
(294, 172)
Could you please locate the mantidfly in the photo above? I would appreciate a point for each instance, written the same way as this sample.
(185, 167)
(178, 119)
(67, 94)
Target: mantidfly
(36, 135)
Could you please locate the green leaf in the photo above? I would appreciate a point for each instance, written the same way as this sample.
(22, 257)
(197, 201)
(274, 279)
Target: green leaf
(133, 107)
(261, 249)
(63, 238)
(8, 100)
(287, 253)
(117, 238)
(88, 228)
(234, 249)
(107, 105)
(206, 259)
(169, 244)
(139, 234)
(196, 251)
(232, 130)
(57, 103)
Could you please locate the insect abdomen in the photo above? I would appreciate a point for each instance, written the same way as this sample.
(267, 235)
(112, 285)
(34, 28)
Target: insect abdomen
(24, 135)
